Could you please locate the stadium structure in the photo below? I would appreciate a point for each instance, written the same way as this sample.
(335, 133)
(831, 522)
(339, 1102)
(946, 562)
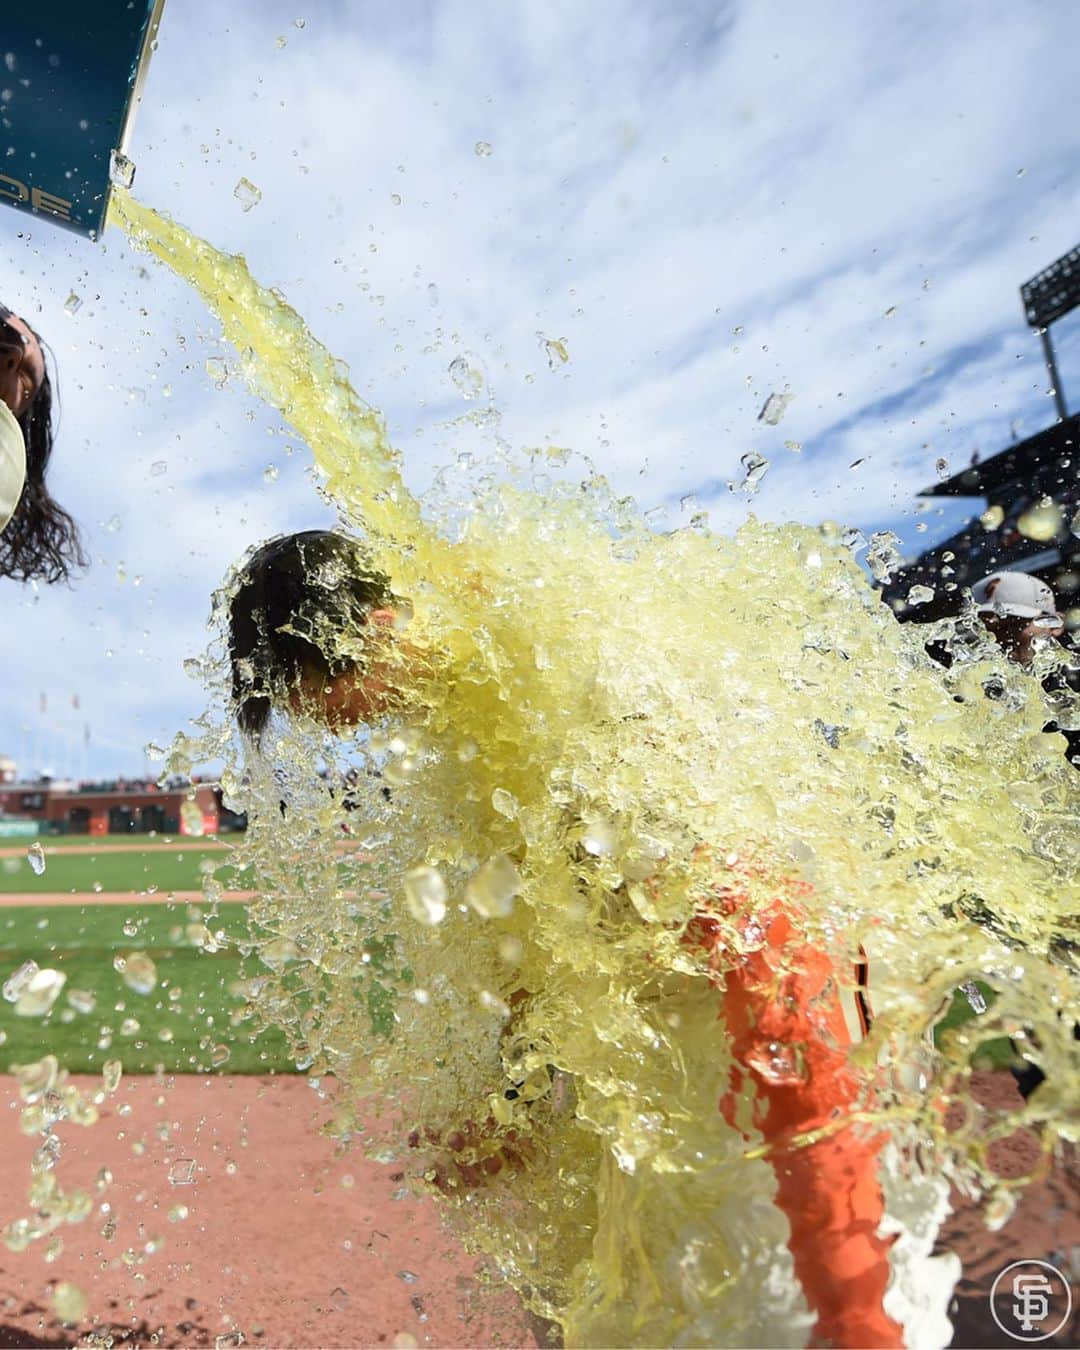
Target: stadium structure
(116, 807)
(1030, 491)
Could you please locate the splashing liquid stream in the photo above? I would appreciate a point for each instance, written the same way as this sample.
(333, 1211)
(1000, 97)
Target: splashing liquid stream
(604, 734)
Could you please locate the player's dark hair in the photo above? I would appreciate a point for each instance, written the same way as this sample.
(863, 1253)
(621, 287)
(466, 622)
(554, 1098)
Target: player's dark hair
(290, 600)
(41, 541)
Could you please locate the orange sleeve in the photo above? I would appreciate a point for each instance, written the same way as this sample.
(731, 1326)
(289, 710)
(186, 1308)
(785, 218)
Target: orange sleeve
(789, 1037)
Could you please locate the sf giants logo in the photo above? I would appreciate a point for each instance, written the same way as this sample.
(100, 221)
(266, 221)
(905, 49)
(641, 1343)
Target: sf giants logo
(1031, 1290)
(1031, 1301)
(16, 192)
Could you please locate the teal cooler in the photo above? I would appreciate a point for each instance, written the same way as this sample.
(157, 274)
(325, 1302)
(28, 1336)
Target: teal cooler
(71, 77)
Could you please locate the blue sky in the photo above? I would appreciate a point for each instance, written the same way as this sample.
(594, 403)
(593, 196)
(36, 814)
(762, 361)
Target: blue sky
(709, 203)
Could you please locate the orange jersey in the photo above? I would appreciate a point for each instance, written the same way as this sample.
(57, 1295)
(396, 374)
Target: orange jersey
(782, 1008)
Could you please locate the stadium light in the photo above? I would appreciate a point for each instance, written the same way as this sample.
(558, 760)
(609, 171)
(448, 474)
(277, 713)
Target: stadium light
(1049, 295)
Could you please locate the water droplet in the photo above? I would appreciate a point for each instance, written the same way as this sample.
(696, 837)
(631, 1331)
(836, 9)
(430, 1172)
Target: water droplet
(35, 856)
(299, 23)
(218, 371)
(218, 1055)
(38, 994)
(47, 1155)
(111, 1072)
(278, 952)
(130, 928)
(121, 170)
(425, 895)
(407, 1276)
(555, 351)
(229, 1340)
(482, 149)
(139, 973)
(158, 467)
(920, 595)
(69, 1303)
(794, 446)
(339, 1298)
(280, 42)
(890, 312)
(493, 1003)
(182, 1172)
(505, 803)
(270, 473)
(395, 198)
(1000, 1209)
(178, 1213)
(511, 949)
(247, 194)
(779, 1062)
(992, 517)
(191, 818)
(775, 406)
(468, 379)
(973, 994)
(756, 467)
(941, 468)
(1074, 525)
(433, 295)
(82, 1000)
(883, 556)
(601, 838)
(853, 538)
(492, 887)
(1042, 522)
(73, 304)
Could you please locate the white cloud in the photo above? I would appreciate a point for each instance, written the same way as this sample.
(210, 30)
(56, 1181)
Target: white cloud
(660, 176)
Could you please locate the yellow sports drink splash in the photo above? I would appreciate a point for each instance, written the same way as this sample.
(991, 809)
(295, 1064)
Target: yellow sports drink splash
(647, 801)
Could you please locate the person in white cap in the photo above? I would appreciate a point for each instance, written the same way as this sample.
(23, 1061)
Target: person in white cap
(1018, 609)
(39, 541)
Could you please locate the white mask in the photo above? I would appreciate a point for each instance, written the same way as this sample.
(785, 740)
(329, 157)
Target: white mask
(12, 464)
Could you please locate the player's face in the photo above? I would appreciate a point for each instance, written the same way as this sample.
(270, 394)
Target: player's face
(345, 701)
(1018, 636)
(22, 366)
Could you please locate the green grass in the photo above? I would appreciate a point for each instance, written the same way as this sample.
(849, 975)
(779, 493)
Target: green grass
(107, 870)
(191, 1003)
(995, 1052)
(104, 841)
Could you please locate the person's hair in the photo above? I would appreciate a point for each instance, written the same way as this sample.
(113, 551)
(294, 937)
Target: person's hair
(41, 541)
(289, 603)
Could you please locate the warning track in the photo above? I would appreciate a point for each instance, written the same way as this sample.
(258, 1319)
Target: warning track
(25, 898)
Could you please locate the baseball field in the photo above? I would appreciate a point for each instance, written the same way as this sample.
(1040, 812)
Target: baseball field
(98, 903)
(224, 1212)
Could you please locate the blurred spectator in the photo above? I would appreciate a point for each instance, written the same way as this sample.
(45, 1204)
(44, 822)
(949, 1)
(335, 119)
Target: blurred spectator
(1018, 609)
